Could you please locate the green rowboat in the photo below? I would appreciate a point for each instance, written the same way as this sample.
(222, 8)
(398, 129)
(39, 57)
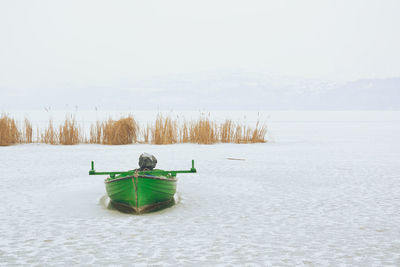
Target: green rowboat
(141, 191)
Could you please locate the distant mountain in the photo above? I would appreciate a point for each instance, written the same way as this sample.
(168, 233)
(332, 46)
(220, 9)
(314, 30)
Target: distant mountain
(217, 91)
(257, 91)
(369, 94)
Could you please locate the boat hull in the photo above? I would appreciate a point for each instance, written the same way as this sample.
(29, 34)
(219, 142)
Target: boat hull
(141, 194)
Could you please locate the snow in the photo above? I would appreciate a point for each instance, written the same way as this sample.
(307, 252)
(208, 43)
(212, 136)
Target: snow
(325, 191)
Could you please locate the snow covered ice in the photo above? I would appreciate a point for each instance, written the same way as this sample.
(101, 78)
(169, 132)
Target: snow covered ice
(324, 191)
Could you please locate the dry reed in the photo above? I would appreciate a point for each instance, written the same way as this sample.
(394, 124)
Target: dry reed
(121, 132)
(70, 133)
(227, 131)
(9, 133)
(95, 133)
(203, 131)
(244, 134)
(50, 134)
(145, 132)
(165, 131)
(184, 132)
(126, 130)
(259, 133)
(206, 131)
(27, 135)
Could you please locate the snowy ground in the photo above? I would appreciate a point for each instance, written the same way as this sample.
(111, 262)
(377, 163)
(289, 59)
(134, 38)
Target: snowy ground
(326, 191)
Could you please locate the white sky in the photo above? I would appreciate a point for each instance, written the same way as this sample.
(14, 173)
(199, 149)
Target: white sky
(45, 44)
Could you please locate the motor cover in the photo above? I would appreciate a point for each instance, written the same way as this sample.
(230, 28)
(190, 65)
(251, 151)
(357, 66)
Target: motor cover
(147, 161)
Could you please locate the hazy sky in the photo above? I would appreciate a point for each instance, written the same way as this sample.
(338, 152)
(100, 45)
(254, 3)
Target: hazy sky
(46, 44)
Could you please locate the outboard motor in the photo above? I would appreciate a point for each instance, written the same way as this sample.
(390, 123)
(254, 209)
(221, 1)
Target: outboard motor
(147, 161)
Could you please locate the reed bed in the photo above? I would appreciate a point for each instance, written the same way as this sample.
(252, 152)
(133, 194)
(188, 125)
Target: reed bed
(70, 133)
(184, 132)
(203, 131)
(165, 131)
(259, 133)
(49, 135)
(227, 131)
(96, 133)
(207, 131)
(145, 132)
(126, 130)
(27, 134)
(9, 133)
(243, 134)
(115, 132)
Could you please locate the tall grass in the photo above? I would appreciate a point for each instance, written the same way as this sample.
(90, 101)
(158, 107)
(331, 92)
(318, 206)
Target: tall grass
(27, 134)
(165, 131)
(126, 130)
(184, 132)
(145, 132)
(203, 131)
(96, 133)
(120, 132)
(259, 133)
(227, 131)
(49, 135)
(70, 133)
(244, 134)
(9, 133)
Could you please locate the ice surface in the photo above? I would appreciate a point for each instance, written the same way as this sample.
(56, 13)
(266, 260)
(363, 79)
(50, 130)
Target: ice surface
(326, 191)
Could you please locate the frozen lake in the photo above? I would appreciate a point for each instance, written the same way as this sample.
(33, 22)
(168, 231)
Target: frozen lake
(324, 191)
